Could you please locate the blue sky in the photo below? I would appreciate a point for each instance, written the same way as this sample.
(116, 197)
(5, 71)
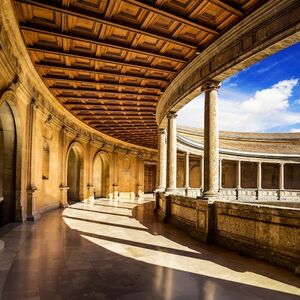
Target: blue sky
(263, 98)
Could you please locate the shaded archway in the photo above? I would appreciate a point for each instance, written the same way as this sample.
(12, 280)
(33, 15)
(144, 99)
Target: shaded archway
(101, 174)
(75, 173)
(8, 145)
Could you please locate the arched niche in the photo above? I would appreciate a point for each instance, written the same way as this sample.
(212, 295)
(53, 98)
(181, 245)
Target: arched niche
(10, 160)
(101, 168)
(75, 172)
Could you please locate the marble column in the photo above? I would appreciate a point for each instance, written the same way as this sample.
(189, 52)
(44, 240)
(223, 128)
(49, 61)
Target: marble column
(211, 140)
(220, 174)
(171, 154)
(202, 173)
(238, 179)
(239, 175)
(281, 176)
(162, 159)
(187, 170)
(258, 176)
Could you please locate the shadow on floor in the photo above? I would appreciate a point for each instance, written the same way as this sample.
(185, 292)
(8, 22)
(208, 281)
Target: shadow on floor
(57, 262)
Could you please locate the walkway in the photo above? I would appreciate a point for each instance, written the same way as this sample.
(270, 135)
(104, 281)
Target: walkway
(117, 250)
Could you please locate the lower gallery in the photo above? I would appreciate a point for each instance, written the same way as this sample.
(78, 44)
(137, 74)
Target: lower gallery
(102, 195)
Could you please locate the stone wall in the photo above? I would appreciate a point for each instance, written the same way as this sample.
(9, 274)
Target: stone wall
(266, 232)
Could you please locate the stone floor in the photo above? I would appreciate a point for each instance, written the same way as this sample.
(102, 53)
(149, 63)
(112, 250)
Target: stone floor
(117, 250)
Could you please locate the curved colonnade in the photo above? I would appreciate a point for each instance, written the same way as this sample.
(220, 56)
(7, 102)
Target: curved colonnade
(270, 28)
(50, 141)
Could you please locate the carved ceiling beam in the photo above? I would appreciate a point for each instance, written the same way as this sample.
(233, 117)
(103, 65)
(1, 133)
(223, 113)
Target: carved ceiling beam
(97, 59)
(227, 5)
(117, 101)
(97, 92)
(73, 37)
(98, 83)
(97, 18)
(77, 69)
(171, 14)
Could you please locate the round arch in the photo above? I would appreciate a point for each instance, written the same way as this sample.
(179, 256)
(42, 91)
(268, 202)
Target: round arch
(100, 171)
(75, 172)
(11, 145)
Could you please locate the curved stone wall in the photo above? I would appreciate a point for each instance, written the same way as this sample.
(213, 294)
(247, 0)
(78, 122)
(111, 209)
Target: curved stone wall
(41, 172)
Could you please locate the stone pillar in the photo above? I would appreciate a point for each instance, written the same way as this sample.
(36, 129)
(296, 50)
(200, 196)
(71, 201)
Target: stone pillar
(220, 174)
(258, 183)
(238, 179)
(90, 161)
(258, 176)
(162, 160)
(281, 176)
(202, 173)
(63, 186)
(32, 213)
(171, 154)
(187, 170)
(239, 175)
(211, 140)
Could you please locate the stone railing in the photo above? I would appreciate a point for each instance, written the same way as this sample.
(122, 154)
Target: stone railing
(266, 232)
(252, 195)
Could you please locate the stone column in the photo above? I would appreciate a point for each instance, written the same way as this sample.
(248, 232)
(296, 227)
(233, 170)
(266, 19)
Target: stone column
(171, 154)
(238, 179)
(258, 176)
(220, 174)
(63, 186)
(239, 175)
(202, 173)
(90, 161)
(211, 140)
(187, 170)
(32, 213)
(281, 176)
(162, 160)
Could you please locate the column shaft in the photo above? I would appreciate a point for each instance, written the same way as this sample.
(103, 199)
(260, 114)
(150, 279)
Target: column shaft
(211, 140)
(171, 154)
(187, 171)
(281, 176)
(259, 175)
(220, 174)
(162, 160)
(239, 175)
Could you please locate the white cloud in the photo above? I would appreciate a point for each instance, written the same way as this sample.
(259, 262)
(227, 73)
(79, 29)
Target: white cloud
(268, 108)
(295, 130)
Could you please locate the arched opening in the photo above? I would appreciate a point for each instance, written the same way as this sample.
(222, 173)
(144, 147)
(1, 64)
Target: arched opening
(75, 174)
(7, 165)
(101, 175)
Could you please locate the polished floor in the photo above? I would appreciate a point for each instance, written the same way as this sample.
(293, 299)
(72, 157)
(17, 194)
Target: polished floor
(117, 250)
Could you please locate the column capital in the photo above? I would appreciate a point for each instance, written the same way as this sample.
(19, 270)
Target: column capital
(210, 85)
(171, 115)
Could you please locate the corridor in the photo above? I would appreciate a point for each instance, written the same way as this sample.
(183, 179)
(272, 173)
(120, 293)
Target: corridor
(117, 250)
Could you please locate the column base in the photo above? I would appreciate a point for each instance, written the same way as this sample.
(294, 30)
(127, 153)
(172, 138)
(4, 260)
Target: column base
(169, 191)
(210, 196)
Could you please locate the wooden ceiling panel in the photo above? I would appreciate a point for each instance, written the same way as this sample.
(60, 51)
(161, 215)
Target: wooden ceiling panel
(92, 5)
(109, 61)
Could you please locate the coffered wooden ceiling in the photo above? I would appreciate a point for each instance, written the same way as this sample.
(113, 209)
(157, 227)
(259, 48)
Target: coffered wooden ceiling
(109, 61)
